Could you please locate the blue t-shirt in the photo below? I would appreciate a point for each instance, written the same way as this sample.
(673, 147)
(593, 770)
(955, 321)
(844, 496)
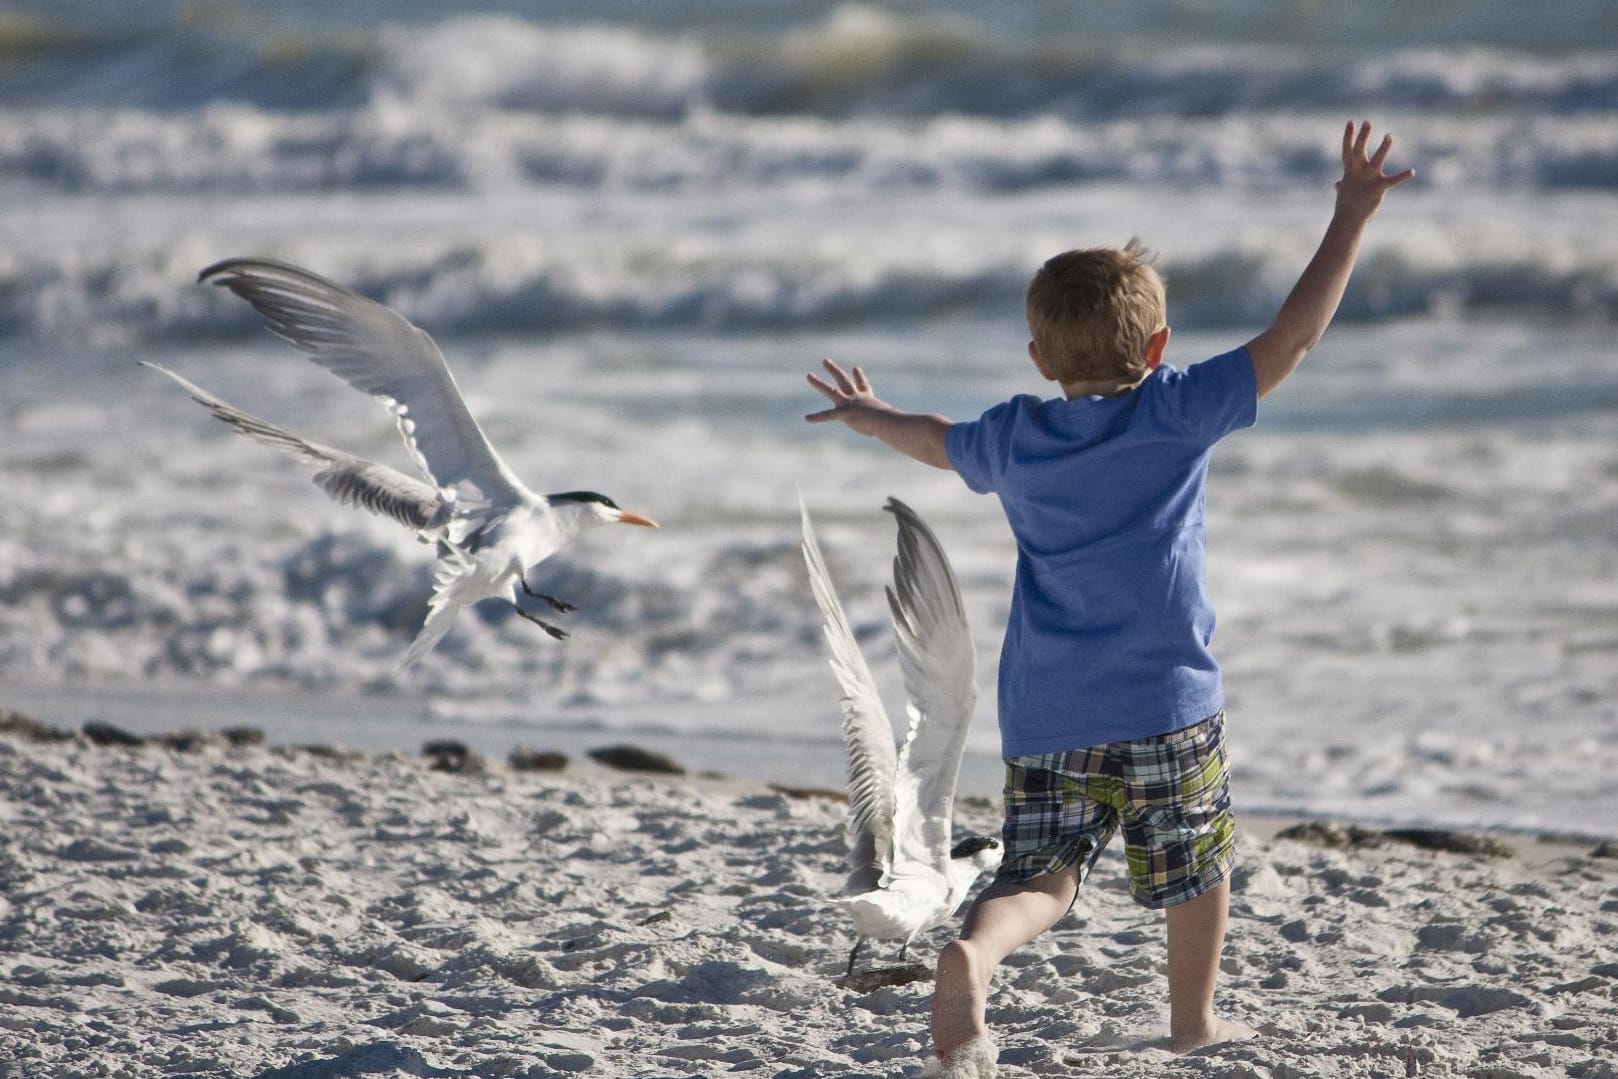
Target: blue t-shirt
(1110, 618)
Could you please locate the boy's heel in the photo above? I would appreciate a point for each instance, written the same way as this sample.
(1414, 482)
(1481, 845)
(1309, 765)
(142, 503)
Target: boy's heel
(977, 1059)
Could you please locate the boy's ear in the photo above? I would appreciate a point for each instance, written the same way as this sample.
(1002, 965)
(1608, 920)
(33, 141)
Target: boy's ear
(1033, 354)
(1155, 345)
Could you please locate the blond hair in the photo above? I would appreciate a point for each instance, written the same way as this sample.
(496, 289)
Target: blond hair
(1091, 312)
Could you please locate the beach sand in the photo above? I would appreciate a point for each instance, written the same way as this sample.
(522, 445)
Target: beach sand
(269, 912)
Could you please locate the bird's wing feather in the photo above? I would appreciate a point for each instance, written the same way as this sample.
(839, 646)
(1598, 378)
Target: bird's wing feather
(940, 675)
(375, 349)
(867, 734)
(350, 480)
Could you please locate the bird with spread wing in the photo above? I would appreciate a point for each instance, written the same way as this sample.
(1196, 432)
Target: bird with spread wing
(488, 529)
(906, 876)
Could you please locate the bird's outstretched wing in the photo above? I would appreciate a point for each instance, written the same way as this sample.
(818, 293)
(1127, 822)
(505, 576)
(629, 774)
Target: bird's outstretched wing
(351, 480)
(375, 349)
(867, 735)
(940, 675)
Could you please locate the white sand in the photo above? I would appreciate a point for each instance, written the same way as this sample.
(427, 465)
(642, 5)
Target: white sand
(260, 912)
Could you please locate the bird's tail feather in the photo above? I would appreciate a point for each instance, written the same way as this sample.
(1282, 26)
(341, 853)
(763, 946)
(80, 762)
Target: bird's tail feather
(439, 618)
(449, 596)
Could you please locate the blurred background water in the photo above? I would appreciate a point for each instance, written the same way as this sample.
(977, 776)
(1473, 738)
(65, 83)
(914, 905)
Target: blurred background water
(633, 226)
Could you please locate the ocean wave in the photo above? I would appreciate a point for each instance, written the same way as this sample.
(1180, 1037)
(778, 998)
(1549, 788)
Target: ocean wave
(336, 610)
(239, 149)
(478, 291)
(855, 60)
(506, 63)
(212, 52)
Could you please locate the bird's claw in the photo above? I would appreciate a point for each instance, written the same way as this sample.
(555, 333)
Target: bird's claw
(557, 605)
(559, 634)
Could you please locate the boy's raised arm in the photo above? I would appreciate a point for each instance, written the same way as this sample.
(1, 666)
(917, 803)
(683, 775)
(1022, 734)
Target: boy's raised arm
(914, 434)
(1309, 308)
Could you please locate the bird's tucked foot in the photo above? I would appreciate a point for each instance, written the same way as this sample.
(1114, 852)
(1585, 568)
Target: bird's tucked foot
(559, 634)
(557, 605)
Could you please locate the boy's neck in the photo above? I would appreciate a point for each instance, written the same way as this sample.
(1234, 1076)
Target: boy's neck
(1107, 387)
(1102, 387)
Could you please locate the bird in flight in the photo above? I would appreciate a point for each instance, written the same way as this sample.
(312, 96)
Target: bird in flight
(488, 529)
(906, 876)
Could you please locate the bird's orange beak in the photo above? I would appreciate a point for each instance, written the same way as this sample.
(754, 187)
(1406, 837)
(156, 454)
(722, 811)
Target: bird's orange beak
(637, 519)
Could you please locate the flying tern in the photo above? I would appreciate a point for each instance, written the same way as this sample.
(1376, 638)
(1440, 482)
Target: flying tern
(489, 529)
(905, 875)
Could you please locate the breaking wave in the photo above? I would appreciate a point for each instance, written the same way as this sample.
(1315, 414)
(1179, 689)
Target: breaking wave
(478, 290)
(856, 60)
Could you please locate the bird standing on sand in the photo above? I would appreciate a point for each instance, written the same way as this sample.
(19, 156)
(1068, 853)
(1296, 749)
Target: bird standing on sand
(488, 528)
(905, 877)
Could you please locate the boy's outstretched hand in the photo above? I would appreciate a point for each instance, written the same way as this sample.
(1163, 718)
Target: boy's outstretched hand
(1360, 191)
(913, 434)
(1309, 307)
(852, 399)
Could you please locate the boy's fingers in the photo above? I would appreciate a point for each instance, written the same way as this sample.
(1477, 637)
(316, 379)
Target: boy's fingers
(1363, 138)
(837, 373)
(1348, 141)
(831, 392)
(861, 383)
(821, 417)
(1381, 154)
(1395, 181)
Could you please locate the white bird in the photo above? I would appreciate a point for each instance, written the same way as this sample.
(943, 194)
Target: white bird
(905, 876)
(488, 528)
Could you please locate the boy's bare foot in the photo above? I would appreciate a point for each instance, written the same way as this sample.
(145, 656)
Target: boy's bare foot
(1219, 1030)
(960, 998)
(977, 1059)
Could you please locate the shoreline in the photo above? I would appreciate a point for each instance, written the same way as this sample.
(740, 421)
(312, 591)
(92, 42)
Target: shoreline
(816, 773)
(383, 725)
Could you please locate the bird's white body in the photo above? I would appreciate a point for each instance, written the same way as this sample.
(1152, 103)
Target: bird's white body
(485, 555)
(906, 876)
(487, 527)
(909, 906)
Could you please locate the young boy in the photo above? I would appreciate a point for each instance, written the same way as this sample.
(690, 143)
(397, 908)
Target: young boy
(1110, 704)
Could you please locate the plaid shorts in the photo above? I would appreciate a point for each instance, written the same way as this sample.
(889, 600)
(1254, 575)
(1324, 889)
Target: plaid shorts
(1170, 793)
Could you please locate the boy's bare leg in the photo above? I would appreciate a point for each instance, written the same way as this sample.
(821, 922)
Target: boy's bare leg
(1005, 917)
(1196, 931)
